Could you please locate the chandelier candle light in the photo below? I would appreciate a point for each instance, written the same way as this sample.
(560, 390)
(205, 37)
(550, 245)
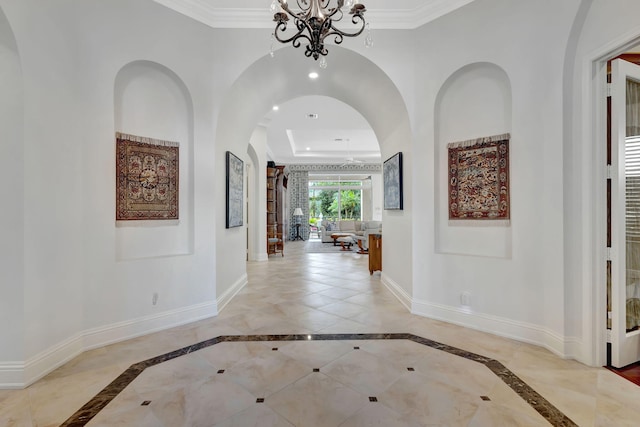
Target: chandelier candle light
(315, 22)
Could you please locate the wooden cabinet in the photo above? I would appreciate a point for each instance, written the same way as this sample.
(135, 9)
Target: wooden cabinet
(375, 252)
(272, 222)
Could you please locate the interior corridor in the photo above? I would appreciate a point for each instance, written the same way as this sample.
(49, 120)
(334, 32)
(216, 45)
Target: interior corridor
(325, 375)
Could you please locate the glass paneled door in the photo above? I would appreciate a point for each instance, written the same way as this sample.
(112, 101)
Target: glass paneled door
(625, 213)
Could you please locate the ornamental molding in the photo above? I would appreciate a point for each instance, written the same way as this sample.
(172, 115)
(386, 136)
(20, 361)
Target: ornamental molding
(380, 19)
(364, 167)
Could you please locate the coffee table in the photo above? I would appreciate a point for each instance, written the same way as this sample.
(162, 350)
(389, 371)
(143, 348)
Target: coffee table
(336, 236)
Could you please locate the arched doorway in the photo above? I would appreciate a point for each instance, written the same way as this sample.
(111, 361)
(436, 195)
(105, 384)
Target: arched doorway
(352, 79)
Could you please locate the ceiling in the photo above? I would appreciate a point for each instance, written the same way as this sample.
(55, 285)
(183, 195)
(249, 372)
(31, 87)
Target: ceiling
(340, 133)
(319, 129)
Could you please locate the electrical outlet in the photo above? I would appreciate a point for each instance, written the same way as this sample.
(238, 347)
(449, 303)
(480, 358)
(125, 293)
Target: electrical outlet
(154, 299)
(465, 299)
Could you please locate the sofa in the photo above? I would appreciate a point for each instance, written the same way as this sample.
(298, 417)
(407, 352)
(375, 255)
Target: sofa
(357, 228)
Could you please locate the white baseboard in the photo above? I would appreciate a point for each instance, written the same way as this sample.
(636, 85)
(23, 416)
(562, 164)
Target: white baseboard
(121, 331)
(564, 347)
(17, 375)
(396, 290)
(12, 376)
(228, 295)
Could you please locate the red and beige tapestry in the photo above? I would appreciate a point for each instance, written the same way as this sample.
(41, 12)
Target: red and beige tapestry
(146, 178)
(479, 180)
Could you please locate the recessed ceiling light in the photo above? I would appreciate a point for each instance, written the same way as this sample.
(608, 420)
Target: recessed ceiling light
(276, 108)
(313, 75)
(308, 148)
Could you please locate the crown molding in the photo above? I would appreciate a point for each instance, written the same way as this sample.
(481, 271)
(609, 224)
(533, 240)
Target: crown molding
(402, 19)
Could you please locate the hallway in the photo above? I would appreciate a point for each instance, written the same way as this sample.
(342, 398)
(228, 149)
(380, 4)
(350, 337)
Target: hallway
(340, 380)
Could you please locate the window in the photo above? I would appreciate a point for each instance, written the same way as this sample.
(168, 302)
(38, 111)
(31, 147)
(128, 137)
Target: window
(335, 200)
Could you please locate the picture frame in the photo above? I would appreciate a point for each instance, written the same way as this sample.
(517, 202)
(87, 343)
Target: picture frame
(147, 175)
(392, 179)
(234, 190)
(478, 181)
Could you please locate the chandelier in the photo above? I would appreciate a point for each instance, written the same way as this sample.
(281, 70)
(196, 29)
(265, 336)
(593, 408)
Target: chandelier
(315, 22)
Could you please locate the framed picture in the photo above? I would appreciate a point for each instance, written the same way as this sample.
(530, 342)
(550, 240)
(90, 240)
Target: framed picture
(479, 180)
(146, 178)
(235, 199)
(392, 176)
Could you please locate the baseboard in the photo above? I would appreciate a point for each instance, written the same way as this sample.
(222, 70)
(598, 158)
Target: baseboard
(99, 337)
(564, 347)
(228, 295)
(12, 376)
(18, 375)
(396, 290)
(262, 256)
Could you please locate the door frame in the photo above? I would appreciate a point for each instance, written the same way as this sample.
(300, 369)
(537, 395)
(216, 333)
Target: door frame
(594, 127)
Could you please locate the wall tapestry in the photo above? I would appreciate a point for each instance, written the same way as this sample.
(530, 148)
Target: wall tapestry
(479, 180)
(392, 182)
(146, 178)
(235, 170)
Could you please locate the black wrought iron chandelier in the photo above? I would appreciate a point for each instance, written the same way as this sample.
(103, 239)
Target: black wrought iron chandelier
(315, 22)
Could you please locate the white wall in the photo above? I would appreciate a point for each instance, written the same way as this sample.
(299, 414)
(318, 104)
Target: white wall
(377, 197)
(52, 210)
(520, 295)
(12, 196)
(258, 194)
(77, 294)
(152, 102)
(480, 96)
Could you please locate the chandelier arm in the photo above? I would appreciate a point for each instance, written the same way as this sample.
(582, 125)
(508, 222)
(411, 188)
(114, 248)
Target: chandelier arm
(282, 26)
(300, 6)
(303, 14)
(341, 34)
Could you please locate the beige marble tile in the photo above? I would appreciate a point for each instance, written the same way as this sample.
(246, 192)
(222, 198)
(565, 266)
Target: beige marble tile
(321, 293)
(364, 372)
(315, 354)
(339, 293)
(376, 414)
(464, 374)
(343, 309)
(430, 402)
(176, 373)
(402, 352)
(227, 354)
(203, 403)
(316, 320)
(257, 415)
(15, 408)
(347, 326)
(267, 372)
(317, 400)
(55, 398)
(489, 415)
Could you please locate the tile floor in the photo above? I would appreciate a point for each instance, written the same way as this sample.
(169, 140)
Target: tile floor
(335, 382)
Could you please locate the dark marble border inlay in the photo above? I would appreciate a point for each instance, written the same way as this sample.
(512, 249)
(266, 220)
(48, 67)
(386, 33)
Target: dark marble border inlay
(552, 414)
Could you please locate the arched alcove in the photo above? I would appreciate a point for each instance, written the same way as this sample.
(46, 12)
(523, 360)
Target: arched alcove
(12, 173)
(474, 102)
(349, 78)
(151, 101)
